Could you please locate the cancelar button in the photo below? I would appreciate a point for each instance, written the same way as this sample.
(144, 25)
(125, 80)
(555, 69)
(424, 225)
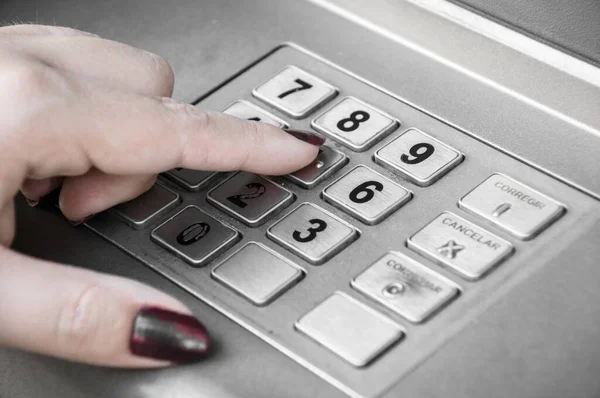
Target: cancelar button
(405, 286)
(514, 207)
(460, 245)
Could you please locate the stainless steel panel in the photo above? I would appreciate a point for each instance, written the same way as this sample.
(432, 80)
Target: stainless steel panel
(148, 207)
(257, 273)
(512, 206)
(350, 329)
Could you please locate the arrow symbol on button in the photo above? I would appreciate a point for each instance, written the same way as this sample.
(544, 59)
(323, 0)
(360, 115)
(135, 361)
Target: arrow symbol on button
(503, 208)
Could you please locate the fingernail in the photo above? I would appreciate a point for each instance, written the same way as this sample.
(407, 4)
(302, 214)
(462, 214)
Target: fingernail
(79, 222)
(166, 335)
(32, 203)
(307, 136)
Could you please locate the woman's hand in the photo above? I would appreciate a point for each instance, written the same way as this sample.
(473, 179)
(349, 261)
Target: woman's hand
(95, 117)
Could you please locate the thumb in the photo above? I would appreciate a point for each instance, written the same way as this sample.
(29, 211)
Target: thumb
(89, 317)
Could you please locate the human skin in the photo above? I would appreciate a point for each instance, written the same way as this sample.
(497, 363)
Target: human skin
(96, 118)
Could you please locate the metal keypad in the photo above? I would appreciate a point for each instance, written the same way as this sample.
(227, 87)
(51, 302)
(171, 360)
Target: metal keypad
(419, 157)
(438, 258)
(328, 161)
(143, 210)
(458, 244)
(350, 329)
(249, 197)
(366, 195)
(195, 236)
(247, 110)
(257, 273)
(514, 207)
(312, 233)
(355, 124)
(192, 180)
(405, 287)
(295, 92)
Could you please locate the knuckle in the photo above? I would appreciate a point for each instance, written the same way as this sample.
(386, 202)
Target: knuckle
(162, 74)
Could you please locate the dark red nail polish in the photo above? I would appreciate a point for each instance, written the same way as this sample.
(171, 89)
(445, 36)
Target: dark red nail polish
(307, 136)
(166, 335)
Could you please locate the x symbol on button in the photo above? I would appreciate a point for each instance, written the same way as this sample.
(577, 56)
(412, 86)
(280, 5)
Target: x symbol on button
(450, 249)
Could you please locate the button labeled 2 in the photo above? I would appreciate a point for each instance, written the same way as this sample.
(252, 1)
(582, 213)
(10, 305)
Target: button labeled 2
(249, 197)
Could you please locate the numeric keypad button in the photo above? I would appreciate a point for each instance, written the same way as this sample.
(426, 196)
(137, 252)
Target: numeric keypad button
(195, 236)
(257, 273)
(249, 198)
(328, 161)
(312, 233)
(192, 180)
(143, 210)
(246, 110)
(355, 124)
(295, 92)
(366, 195)
(419, 157)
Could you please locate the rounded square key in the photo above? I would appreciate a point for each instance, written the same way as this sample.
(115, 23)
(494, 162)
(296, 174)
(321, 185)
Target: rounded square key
(257, 273)
(366, 195)
(328, 161)
(312, 233)
(295, 92)
(355, 124)
(195, 236)
(405, 286)
(419, 157)
(249, 111)
(192, 180)
(350, 329)
(249, 198)
(458, 244)
(143, 210)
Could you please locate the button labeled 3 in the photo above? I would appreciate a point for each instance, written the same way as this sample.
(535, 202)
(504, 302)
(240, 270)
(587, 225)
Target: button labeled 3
(419, 157)
(312, 233)
(195, 236)
(366, 195)
(246, 110)
(295, 92)
(405, 286)
(249, 197)
(460, 245)
(514, 207)
(355, 124)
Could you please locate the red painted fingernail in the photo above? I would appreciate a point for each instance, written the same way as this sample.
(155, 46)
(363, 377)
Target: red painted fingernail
(169, 336)
(307, 136)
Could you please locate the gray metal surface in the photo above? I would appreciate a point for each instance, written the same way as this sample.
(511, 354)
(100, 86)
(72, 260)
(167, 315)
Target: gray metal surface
(493, 96)
(350, 329)
(573, 26)
(249, 111)
(155, 202)
(366, 195)
(460, 245)
(516, 208)
(327, 162)
(257, 273)
(405, 286)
